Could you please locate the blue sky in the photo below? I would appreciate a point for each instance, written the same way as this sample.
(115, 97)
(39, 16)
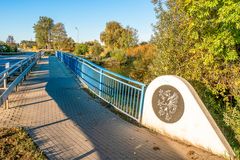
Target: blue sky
(90, 16)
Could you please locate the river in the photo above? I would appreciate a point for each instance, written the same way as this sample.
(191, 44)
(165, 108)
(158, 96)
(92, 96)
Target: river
(12, 59)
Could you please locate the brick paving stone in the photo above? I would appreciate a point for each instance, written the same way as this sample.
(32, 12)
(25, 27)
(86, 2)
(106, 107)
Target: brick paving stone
(67, 123)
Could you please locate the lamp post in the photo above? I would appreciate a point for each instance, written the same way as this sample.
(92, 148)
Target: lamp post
(77, 34)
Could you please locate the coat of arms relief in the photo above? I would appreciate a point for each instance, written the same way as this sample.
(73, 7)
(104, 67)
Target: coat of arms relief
(168, 103)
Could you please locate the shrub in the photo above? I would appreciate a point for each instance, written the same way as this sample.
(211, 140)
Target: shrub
(119, 55)
(81, 49)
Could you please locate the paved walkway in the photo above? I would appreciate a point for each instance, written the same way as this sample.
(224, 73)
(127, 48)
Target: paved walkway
(67, 123)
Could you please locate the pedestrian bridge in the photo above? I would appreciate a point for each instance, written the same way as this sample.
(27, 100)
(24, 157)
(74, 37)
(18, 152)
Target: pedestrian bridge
(68, 122)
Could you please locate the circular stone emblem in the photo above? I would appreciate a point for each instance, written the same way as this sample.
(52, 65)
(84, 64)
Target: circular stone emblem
(167, 103)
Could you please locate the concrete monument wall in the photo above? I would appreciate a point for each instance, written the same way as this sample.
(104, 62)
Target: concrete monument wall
(173, 108)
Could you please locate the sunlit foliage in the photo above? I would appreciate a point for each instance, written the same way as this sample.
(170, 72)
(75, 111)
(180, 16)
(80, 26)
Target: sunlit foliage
(199, 40)
(42, 31)
(115, 36)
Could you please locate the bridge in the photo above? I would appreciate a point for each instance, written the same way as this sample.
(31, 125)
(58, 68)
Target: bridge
(74, 109)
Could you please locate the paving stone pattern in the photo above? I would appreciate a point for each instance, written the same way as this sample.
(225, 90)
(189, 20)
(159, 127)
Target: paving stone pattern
(67, 123)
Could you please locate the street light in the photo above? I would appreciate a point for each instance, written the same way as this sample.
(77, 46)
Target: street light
(77, 34)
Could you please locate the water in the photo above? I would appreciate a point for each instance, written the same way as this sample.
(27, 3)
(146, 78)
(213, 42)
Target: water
(12, 59)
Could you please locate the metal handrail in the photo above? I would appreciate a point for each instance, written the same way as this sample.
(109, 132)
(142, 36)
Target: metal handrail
(14, 65)
(22, 68)
(123, 93)
(106, 70)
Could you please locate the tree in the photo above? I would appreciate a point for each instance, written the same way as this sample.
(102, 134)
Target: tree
(68, 45)
(111, 34)
(81, 49)
(43, 29)
(199, 40)
(128, 38)
(143, 56)
(117, 37)
(59, 36)
(95, 48)
(50, 35)
(2, 43)
(4, 47)
(10, 40)
(11, 46)
(8, 47)
(25, 44)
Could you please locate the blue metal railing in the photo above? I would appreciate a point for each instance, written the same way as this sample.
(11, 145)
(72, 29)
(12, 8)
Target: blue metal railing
(17, 72)
(125, 94)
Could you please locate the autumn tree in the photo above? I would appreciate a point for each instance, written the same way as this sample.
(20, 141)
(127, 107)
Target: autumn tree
(115, 36)
(143, 55)
(43, 29)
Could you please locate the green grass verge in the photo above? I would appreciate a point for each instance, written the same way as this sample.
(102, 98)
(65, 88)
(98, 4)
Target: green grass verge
(16, 144)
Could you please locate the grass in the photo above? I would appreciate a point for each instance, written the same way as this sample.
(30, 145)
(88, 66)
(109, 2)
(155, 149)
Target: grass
(15, 143)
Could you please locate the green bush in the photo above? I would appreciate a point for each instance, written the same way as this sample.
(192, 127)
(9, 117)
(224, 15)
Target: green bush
(200, 42)
(4, 47)
(119, 55)
(81, 49)
(227, 118)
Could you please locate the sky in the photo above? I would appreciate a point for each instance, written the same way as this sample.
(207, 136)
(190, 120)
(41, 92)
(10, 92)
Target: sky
(17, 17)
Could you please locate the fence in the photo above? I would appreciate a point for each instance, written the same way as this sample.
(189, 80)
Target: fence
(125, 94)
(13, 75)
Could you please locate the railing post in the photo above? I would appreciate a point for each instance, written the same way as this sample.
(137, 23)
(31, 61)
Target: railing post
(81, 69)
(7, 65)
(100, 82)
(68, 61)
(21, 67)
(61, 56)
(75, 65)
(141, 104)
(6, 104)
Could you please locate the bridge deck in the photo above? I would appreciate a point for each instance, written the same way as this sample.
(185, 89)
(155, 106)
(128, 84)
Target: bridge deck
(67, 123)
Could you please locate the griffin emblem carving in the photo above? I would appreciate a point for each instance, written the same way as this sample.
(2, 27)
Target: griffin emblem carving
(167, 103)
